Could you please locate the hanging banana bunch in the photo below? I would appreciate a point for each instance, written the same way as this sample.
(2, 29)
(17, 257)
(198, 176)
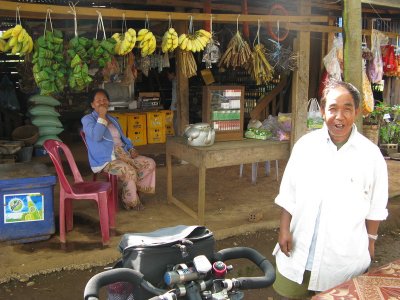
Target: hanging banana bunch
(125, 42)
(148, 42)
(170, 39)
(194, 41)
(16, 40)
(260, 69)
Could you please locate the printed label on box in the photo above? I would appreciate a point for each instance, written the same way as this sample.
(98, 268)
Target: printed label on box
(23, 208)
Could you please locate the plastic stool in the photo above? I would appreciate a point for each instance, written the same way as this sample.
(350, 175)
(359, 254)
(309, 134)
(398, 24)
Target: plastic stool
(254, 168)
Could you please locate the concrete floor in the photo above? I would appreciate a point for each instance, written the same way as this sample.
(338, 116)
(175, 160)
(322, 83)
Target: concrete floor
(229, 201)
(84, 248)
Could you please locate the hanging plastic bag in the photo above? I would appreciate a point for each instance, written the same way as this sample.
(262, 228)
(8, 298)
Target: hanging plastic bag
(375, 68)
(332, 64)
(389, 59)
(314, 116)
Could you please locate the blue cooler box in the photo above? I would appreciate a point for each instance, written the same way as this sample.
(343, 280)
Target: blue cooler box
(26, 192)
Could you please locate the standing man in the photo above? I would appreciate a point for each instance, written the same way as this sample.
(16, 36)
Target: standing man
(172, 77)
(333, 196)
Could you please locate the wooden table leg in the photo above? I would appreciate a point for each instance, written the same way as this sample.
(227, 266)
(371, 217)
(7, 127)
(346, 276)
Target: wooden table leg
(202, 195)
(169, 177)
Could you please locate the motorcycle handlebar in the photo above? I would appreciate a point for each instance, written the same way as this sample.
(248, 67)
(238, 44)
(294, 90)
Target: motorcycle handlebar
(108, 277)
(136, 278)
(256, 258)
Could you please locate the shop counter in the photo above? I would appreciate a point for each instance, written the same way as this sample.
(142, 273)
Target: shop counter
(220, 154)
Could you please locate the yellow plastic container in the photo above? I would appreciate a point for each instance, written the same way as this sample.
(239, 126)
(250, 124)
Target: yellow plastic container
(169, 130)
(137, 121)
(156, 120)
(122, 119)
(137, 136)
(156, 135)
(169, 117)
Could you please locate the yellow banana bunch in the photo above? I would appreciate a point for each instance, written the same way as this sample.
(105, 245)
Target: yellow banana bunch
(169, 40)
(194, 42)
(18, 41)
(148, 42)
(125, 42)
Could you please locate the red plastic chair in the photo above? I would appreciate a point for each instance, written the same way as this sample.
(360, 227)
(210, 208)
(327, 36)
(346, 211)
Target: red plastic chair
(80, 190)
(113, 179)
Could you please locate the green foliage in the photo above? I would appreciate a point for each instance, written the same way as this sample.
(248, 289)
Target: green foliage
(389, 132)
(376, 116)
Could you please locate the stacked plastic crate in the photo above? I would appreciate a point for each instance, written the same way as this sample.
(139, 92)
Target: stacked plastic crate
(156, 127)
(122, 120)
(169, 122)
(136, 123)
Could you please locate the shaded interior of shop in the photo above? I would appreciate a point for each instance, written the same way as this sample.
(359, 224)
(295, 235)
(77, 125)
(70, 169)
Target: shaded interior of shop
(74, 105)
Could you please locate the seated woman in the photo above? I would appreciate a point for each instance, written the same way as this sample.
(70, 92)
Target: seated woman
(112, 152)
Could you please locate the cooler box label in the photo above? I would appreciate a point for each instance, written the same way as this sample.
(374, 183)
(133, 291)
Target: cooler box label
(23, 208)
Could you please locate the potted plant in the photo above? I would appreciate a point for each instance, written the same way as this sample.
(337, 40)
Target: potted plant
(373, 121)
(389, 132)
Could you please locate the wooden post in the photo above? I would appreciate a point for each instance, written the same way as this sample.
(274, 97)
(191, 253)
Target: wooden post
(300, 82)
(182, 86)
(207, 10)
(352, 47)
(245, 11)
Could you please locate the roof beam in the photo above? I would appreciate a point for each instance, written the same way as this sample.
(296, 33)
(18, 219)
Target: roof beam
(58, 11)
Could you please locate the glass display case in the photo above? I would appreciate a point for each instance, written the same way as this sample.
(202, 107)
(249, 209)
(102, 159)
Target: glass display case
(223, 108)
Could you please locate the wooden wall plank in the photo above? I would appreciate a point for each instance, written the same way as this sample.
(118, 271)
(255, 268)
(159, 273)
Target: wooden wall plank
(300, 83)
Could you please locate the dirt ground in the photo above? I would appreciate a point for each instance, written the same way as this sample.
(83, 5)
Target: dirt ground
(44, 270)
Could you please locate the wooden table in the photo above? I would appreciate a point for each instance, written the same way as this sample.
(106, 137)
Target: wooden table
(379, 284)
(221, 154)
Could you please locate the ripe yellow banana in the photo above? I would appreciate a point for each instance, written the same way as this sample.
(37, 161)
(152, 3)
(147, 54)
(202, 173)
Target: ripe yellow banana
(30, 45)
(21, 35)
(116, 36)
(141, 34)
(7, 34)
(184, 43)
(2, 45)
(145, 46)
(205, 33)
(13, 41)
(17, 29)
(16, 49)
(181, 38)
(189, 45)
(25, 47)
(147, 36)
(132, 32)
(174, 43)
(202, 40)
